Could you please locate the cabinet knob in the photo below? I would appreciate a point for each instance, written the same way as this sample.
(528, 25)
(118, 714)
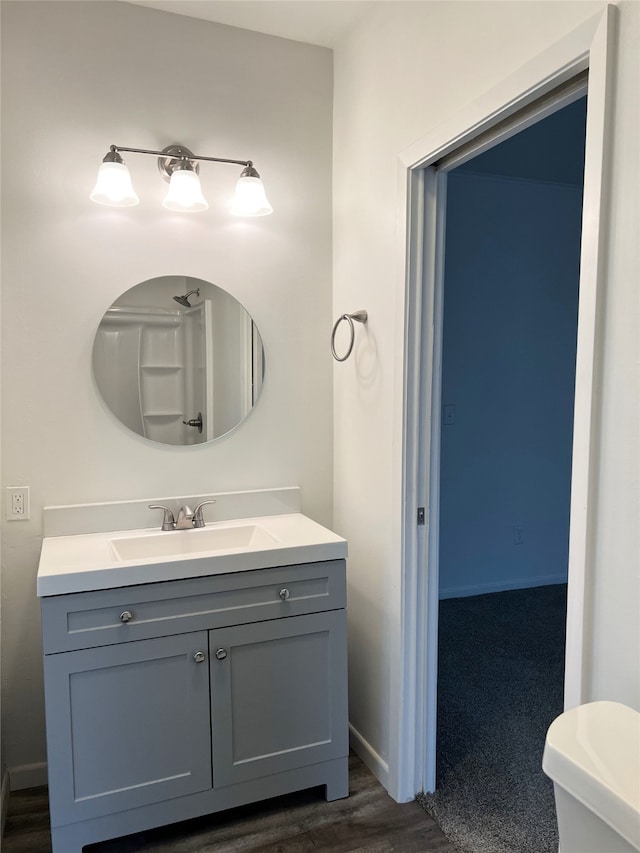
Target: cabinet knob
(221, 654)
(126, 616)
(199, 657)
(285, 594)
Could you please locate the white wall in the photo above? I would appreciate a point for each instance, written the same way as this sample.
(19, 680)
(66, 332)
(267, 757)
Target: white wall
(76, 77)
(4, 779)
(512, 265)
(399, 75)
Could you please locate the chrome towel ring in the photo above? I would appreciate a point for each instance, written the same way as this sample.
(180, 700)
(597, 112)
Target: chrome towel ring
(359, 317)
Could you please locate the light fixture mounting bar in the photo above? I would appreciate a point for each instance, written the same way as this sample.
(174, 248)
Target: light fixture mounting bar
(188, 155)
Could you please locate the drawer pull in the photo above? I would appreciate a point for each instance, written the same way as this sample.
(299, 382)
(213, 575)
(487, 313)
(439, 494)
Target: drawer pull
(126, 616)
(221, 654)
(285, 594)
(199, 657)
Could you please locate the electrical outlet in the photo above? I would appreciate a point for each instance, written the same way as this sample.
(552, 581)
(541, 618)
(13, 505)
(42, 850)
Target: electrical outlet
(17, 503)
(518, 534)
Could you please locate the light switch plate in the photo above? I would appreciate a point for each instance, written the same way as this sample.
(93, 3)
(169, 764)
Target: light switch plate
(448, 414)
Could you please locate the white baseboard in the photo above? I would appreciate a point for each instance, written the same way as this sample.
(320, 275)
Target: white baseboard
(369, 756)
(501, 586)
(5, 791)
(28, 776)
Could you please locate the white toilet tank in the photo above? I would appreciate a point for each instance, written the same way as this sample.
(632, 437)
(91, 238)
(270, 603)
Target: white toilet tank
(592, 754)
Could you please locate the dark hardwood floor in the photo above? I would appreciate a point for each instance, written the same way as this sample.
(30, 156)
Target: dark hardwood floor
(368, 821)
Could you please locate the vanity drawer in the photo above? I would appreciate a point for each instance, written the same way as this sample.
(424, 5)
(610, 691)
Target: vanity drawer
(103, 617)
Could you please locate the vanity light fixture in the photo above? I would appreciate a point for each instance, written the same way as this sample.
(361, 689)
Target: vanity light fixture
(180, 168)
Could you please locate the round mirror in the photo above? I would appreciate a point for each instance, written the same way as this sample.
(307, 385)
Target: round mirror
(178, 360)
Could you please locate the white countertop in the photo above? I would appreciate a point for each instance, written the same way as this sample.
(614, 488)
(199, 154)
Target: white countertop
(89, 561)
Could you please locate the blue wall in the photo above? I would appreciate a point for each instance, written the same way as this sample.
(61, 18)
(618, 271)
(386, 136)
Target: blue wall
(550, 150)
(511, 290)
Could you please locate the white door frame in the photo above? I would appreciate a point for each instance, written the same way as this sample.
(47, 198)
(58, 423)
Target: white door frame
(420, 210)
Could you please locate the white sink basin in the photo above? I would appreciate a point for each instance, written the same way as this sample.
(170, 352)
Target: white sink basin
(175, 542)
(127, 557)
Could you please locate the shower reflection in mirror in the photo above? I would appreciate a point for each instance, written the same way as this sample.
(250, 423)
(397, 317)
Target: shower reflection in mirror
(160, 365)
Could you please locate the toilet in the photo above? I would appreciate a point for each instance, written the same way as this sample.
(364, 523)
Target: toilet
(592, 754)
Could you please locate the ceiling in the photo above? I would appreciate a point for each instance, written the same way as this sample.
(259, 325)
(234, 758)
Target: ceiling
(320, 22)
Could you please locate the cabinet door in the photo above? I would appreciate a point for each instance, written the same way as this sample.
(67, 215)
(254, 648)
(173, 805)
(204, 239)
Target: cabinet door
(127, 725)
(278, 695)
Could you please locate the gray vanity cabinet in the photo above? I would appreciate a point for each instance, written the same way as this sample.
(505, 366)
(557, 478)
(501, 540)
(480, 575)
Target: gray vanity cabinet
(128, 725)
(273, 700)
(171, 700)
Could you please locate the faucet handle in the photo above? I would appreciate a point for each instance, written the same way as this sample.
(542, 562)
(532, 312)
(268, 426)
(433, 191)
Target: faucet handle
(168, 521)
(198, 520)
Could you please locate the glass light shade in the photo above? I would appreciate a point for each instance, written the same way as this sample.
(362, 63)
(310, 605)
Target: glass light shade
(114, 186)
(250, 198)
(184, 192)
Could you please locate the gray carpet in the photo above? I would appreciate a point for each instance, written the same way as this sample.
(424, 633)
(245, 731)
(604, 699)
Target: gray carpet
(500, 683)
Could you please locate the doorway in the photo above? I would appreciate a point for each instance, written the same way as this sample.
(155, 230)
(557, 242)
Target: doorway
(510, 309)
(588, 48)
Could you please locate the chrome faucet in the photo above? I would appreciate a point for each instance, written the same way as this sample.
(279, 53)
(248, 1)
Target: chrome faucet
(187, 518)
